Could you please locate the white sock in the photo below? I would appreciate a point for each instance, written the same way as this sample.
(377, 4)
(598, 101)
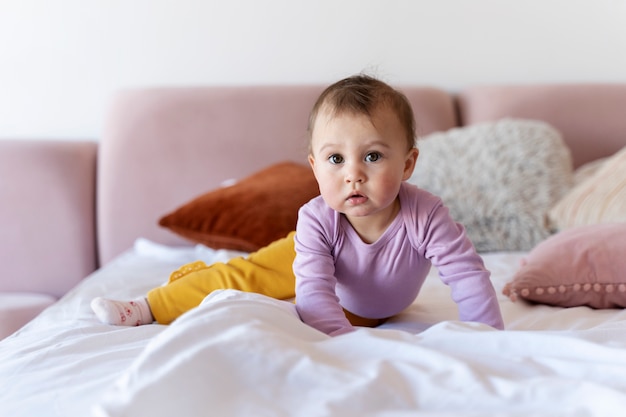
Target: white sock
(122, 313)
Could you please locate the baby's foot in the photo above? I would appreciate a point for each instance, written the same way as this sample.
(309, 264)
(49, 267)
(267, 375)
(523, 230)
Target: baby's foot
(122, 313)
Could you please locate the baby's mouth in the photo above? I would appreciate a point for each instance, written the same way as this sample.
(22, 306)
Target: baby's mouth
(356, 198)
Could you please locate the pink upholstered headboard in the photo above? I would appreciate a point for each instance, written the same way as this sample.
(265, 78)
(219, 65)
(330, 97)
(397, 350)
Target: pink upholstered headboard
(165, 146)
(47, 214)
(591, 117)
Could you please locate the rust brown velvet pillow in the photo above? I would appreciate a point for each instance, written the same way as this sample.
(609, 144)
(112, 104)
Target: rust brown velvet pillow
(249, 214)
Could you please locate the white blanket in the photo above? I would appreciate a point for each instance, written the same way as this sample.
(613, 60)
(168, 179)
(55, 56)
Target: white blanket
(247, 355)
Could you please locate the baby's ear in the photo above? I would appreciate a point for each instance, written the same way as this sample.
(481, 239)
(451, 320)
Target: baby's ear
(409, 163)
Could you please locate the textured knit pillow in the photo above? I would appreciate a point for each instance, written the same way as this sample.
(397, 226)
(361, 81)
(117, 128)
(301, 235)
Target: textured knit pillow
(249, 214)
(601, 198)
(498, 179)
(580, 266)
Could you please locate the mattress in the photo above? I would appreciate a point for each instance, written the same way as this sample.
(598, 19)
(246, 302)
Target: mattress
(241, 354)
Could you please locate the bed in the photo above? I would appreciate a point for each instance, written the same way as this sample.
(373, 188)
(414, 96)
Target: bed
(538, 156)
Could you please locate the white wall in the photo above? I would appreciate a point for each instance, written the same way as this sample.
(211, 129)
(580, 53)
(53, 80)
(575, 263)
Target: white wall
(62, 61)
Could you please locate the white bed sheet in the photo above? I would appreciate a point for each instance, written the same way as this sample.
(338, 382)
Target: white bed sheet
(247, 355)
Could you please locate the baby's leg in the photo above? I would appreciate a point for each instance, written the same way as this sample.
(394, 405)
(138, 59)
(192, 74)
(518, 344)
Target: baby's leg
(268, 271)
(122, 313)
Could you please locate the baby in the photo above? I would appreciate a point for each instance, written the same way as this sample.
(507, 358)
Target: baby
(363, 248)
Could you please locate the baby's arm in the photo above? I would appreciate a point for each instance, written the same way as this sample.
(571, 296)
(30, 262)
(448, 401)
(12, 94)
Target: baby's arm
(462, 268)
(314, 267)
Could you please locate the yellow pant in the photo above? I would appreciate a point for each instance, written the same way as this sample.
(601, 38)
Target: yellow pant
(268, 271)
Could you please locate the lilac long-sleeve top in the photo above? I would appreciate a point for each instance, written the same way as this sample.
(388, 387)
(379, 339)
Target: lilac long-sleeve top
(336, 270)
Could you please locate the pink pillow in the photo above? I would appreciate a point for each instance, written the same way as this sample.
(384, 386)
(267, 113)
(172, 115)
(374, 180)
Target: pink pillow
(580, 266)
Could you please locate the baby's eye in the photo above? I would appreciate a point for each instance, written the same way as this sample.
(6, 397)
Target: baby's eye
(335, 159)
(372, 157)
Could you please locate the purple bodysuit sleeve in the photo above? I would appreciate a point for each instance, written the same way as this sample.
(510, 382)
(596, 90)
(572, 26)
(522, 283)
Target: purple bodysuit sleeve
(314, 268)
(462, 268)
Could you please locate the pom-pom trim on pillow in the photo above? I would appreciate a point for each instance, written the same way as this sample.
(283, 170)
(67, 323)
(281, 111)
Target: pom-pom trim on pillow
(581, 266)
(250, 214)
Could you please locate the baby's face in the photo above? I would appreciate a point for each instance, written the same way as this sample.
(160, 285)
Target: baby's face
(360, 162)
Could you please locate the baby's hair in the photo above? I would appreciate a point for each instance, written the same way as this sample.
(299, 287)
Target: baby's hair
(362, 94)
